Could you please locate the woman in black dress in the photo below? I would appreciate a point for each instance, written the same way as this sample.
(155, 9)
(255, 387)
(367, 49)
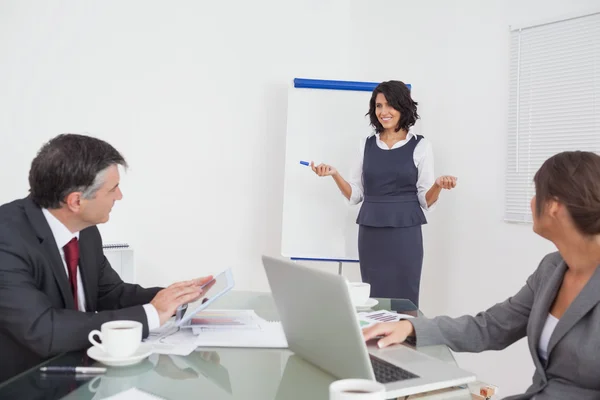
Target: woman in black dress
(394, 180)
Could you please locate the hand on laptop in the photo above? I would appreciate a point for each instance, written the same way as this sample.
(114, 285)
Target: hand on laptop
(392, 332)
(167, 300)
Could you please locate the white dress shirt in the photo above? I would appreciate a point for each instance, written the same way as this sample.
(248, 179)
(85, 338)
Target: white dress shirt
(62, 236)
(549, 327)
(422, 157)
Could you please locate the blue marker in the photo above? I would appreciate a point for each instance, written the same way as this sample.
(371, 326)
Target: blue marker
(305, 163)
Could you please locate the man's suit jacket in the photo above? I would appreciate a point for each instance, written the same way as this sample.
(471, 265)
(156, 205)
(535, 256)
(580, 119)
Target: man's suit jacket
(573, 367)
(38, 318)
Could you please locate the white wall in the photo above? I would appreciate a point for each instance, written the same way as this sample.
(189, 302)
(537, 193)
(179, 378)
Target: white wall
(456, 56)
(194, 95)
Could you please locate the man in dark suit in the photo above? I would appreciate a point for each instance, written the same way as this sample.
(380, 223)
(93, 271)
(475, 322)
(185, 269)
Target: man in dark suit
(56, 285)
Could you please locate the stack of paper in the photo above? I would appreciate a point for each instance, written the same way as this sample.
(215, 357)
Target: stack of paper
(224, 320)
(218, 328)
(237, 328)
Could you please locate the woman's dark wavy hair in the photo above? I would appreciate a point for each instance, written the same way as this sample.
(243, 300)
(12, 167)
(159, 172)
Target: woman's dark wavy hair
(572, 178)
(397, 95)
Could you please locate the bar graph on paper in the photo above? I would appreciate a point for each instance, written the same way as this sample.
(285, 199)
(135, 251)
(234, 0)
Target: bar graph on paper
(374, 317)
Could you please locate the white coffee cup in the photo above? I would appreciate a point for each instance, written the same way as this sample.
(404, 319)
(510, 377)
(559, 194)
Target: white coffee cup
(359, 292)
(120, 339)
(356, 389)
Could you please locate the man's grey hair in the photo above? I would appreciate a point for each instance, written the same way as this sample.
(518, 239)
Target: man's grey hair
(89, 192)
(70, 163)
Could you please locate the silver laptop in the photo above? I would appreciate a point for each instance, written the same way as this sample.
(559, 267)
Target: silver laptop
(321, 326)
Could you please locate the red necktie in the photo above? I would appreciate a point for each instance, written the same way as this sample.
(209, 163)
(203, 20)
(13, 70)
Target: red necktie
(72, 258)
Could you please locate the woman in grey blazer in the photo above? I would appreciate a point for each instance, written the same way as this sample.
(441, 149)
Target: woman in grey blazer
(558, 309)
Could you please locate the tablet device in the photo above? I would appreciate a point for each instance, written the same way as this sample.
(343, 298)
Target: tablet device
(217, 287)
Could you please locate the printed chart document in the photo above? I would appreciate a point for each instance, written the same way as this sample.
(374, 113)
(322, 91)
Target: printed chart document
(367, 319)
(237, 328)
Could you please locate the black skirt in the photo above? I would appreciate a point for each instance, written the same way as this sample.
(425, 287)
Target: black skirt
(391, 260)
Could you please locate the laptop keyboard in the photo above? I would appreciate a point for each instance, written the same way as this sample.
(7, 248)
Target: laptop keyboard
(386, 372)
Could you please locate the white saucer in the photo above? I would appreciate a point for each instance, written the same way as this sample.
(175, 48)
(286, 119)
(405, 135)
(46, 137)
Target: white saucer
(367, 305)
(140, 354)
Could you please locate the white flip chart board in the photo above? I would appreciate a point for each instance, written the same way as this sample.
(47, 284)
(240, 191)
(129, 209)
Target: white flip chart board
(326, 122)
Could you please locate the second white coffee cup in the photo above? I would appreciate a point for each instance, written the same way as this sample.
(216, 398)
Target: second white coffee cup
(359, 292)
(120, 339)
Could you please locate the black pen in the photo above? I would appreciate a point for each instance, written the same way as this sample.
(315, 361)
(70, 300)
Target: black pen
(74, 370)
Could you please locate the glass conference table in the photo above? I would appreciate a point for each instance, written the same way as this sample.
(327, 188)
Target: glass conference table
(210, 373)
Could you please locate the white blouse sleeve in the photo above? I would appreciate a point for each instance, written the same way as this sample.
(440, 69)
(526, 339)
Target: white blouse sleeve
(423, 157)
(355, 180)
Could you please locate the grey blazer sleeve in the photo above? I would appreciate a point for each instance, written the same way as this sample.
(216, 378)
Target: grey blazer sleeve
(493, 329)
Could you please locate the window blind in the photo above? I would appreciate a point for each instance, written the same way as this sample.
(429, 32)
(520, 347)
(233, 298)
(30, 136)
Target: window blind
(554, 101)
